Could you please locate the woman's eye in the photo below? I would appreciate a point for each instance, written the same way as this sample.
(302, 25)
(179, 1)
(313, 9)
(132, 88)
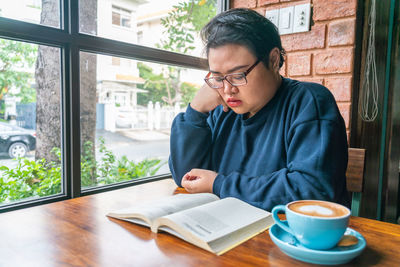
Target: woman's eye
(237, 77)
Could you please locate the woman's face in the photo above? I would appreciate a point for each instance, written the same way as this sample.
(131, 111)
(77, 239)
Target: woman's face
(262, 83)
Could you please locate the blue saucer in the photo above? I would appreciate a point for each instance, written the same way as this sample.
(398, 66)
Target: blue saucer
(337, 255)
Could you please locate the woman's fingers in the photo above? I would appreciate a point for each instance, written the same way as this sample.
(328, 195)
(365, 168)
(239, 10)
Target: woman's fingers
(198, 180)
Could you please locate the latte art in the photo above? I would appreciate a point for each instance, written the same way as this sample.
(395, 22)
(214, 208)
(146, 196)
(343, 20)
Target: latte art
(316, 224)
(318, 208)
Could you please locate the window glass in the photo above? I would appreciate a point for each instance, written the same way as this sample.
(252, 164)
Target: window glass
(121, 17)
(30, 133)
(34, 11)
(116, 61)
(172, 25)
(126, 127)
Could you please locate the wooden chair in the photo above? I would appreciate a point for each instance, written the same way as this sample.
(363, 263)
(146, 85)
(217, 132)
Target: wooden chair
(355, 177)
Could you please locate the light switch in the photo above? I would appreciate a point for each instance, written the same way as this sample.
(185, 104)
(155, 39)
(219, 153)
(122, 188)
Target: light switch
(286, 20)
(273, 16)
(302, 15)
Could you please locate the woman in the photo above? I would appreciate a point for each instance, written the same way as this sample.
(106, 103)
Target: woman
(250, 133)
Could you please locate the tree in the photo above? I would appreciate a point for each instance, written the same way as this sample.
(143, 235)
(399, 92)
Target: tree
(184, 22)
(48, 77)
(88, 77)
(157, 85)
(181, 25)
(15, 58)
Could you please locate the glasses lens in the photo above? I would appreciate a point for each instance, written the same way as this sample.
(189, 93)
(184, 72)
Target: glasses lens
(215, 82)
(236, 79)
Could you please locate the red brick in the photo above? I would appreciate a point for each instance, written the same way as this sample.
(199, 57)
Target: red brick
(334, 61)
(342, 32)
(243, 3)
(344, 109)
(329, 9)
(312, 80)
(260, 10)
(267, 2)
(307, 40)
(299, 64)
(340, 87)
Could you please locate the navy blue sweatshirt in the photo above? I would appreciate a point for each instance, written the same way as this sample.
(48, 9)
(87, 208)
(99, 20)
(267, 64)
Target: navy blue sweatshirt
(294, 148)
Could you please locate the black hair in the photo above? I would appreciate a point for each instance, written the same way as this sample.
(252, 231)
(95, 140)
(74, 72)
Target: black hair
(243, 27)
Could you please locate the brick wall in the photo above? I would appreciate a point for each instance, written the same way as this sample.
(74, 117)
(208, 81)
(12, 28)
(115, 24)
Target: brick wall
(325, 54)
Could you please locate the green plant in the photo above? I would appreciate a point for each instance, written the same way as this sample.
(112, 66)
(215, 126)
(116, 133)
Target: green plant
(110, 170)
(184, 22)
(181, 27)
(88, 165)
(30, 178)
(38, 178)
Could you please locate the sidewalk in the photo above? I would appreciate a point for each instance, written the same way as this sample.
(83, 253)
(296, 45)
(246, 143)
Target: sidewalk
(145, 135)
(127, 136)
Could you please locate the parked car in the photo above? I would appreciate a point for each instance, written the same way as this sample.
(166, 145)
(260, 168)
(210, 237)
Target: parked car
(125, 117)
(16, 141)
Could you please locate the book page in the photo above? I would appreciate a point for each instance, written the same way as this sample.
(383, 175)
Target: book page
(162, 207)
(214, 220)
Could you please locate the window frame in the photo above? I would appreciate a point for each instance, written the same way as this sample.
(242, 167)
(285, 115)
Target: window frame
(71, 42)
(123, 13)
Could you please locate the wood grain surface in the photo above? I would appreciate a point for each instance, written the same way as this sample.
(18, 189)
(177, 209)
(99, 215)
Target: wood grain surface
(76, 232)
(355, 170)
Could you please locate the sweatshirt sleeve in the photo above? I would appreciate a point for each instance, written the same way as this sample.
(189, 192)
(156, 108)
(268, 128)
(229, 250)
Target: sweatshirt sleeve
(316, 160)
(190, 143)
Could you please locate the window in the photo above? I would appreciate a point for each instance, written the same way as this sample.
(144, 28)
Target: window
(115, 61)
(140, 37)
(151, 23)
(133, 117)
(30, 126)
(121, 17)
(94, 113)
(34, 3)
(31, 11)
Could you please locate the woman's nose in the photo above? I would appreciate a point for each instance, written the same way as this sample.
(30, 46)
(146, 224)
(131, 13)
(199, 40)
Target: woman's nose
(229, 88)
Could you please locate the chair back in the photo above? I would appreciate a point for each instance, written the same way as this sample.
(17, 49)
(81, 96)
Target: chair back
(355, 170)
(355, 177)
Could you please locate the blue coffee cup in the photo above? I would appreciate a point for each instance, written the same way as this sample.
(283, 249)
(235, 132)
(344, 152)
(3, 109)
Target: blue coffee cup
(315, 224)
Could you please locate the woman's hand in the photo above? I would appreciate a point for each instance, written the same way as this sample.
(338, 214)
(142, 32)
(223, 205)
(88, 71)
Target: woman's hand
(199, 181)
(207, 99)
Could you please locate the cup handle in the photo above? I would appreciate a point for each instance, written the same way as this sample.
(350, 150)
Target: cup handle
(282, 225)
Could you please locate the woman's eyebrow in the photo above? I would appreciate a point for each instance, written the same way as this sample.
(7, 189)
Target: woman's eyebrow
(231, 70)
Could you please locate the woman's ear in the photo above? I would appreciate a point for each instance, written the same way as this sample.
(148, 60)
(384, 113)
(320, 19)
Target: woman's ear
(274, 59)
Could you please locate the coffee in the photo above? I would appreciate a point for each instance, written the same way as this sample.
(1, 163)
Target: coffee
(315, 224)
(318, 208)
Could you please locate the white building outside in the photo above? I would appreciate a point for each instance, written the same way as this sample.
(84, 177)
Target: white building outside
(131, 21)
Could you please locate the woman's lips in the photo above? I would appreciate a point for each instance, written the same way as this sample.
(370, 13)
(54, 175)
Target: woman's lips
(233, 102)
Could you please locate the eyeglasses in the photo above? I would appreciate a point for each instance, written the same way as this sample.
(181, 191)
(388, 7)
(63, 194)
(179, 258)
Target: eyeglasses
(234, 79)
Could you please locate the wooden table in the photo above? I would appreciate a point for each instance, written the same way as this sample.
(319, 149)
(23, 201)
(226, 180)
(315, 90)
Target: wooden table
(76, 232)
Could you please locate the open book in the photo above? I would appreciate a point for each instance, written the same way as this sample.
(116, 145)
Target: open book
(214, 224)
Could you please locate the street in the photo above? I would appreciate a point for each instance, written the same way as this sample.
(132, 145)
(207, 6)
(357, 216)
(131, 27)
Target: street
(137, 145)
(134, 144)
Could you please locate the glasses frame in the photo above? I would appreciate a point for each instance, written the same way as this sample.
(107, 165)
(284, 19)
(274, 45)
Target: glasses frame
(245, 73)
